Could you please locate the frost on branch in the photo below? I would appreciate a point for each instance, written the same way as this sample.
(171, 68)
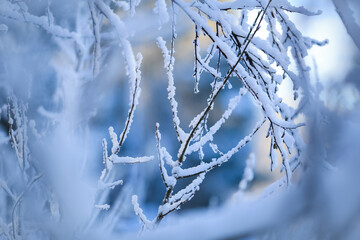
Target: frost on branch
(139, 212)
(76, 45)
(19, 12)
(237, 59)
(17, 117)
(97, 38)
(347, 16)
(113, 158)
(169, 65)
(247, 177)
(134, 73)
(260, 65)
(161, 10)
(22, 166)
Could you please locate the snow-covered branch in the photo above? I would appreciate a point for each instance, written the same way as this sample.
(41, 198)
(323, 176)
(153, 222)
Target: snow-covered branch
(243, 51)
(13, 11)
(347, 16)
(244, 54)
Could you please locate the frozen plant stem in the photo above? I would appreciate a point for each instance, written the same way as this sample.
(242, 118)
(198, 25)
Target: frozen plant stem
(260, 80)
(226, 78)
(17, 202)
(237, 61)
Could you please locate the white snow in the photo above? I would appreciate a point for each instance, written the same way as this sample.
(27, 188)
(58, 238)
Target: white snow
(130, 160)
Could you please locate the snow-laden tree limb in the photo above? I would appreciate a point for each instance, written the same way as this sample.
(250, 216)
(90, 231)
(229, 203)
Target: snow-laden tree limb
(12, 11)
(347, 17)
(169, 64)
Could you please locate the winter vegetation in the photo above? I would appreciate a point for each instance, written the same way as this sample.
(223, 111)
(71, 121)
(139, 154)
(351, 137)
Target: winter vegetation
(140, 119)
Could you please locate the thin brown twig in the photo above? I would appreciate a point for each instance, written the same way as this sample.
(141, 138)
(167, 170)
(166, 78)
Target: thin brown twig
(127, 124)
(181, 156)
